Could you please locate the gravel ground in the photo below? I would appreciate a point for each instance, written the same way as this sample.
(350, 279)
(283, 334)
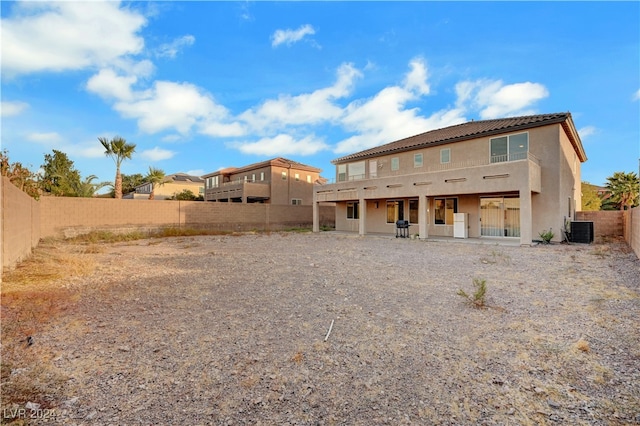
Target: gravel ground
(234, 330)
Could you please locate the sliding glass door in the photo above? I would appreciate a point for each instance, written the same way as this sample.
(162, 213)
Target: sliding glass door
(500, 217)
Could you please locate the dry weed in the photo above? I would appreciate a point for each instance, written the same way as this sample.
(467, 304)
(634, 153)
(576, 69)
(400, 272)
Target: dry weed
(583, 345)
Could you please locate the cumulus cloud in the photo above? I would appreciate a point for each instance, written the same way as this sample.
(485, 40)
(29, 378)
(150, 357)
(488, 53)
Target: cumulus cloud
(494, 99)
(385, 117)
(59, 36)
(587, 131)
(157, 154)
(170, 105)
(282, 144)
(109, 85)
(12, 108)
(308, 108)
(45, 138)
(289, 37)
(170, 50)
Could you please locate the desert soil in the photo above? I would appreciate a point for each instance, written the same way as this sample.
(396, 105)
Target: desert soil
(234, 330)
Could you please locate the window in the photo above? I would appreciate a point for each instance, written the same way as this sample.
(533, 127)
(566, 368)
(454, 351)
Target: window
(445, 155)
(297, 176)
(284, 175)
(373, 169)
(395, 163)
(253, 177)
(246, 178)
(356, 170)
(342, 172)
(413, 211)
(352, 210)
(417, 160)
(261, 176)
(444, 210)
(509, 148)
(296, 201)
(395, 211)
(308, 178)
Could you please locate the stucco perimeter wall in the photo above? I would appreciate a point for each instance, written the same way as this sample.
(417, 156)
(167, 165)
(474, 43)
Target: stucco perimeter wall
(67, 217)
(20, 224)
(632, 229)
(605, 223)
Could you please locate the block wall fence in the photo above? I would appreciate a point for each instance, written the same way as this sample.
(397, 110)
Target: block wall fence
(25, 221)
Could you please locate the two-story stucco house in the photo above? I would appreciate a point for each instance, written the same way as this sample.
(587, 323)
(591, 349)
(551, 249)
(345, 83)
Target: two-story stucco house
(513, 177)
(172, 185)
(275, 181)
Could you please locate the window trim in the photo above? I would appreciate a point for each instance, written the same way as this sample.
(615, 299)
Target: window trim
(395, 164)
(415, 162)
(492, 157)
(455, 210)
(448, 151)
(355, 210)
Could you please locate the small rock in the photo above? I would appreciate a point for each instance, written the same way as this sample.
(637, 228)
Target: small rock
(538, 390)
(553, 404)
(124, 348)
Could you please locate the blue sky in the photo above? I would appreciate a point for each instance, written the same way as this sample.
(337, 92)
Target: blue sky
(199, 86)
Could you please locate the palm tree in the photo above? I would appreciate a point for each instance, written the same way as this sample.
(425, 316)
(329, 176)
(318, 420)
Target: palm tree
(118, 149)
(156, 178)
(87, 188)
(624, 189)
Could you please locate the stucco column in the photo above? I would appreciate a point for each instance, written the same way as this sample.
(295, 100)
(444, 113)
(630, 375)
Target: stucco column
(423, 227)
(526, 222)
(362, 223)
(316, 216)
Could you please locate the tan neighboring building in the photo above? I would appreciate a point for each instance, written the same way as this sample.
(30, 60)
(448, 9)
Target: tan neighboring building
(173, 184)
(512, 178)
(275, 181)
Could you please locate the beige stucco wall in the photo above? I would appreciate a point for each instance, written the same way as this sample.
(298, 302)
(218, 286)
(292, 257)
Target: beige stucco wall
(283, 190)
(20, 224)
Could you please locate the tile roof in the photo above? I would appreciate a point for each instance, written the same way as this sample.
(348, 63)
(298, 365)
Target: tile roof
(470, 130)
(278, 161)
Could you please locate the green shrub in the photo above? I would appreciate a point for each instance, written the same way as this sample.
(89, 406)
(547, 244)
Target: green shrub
(547, 236)
(477, 299)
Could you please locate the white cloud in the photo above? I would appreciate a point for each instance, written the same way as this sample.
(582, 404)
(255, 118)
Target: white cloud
(58, 36)
(169, 105)
(196, 172)
(86, 150)
(157, 154)
(282, 144)
(416, 79)
(307, 108)
(12, 108)
(289, 37)
(46, 138)
(108, 85)
(170, 50)
(587, 131)
(636, 96)
(493, 99)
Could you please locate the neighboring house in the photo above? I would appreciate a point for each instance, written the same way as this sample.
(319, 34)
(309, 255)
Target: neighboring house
(173, 184)
(275, 181)
(514, 177)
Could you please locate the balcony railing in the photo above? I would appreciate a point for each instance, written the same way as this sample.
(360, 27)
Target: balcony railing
(457, 165)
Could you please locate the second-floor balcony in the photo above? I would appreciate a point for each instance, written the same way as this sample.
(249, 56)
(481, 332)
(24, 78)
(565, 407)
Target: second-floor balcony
(494, 174)
(239, 191)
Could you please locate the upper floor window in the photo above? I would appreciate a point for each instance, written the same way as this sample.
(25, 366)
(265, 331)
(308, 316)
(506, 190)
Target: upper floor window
(342, 172)
(308, 178)
(284, 175)
(445, 155)
(417, 160)
(356, 170)
(373, 169)
(395, 163)
(297, 176)
(509, 148)
(261, 176)
(296, 201)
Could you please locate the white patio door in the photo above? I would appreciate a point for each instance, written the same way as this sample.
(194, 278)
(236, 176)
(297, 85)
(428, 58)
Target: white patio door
(500, 217)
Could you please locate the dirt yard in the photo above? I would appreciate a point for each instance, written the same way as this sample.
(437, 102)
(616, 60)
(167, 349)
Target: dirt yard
(331, 329)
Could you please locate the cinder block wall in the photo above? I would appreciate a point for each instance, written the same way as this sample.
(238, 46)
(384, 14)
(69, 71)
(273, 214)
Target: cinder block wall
(632, 229)
(20, 224)
(605, 223)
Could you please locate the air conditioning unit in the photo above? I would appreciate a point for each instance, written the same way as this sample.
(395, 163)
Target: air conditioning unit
(582, 232)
